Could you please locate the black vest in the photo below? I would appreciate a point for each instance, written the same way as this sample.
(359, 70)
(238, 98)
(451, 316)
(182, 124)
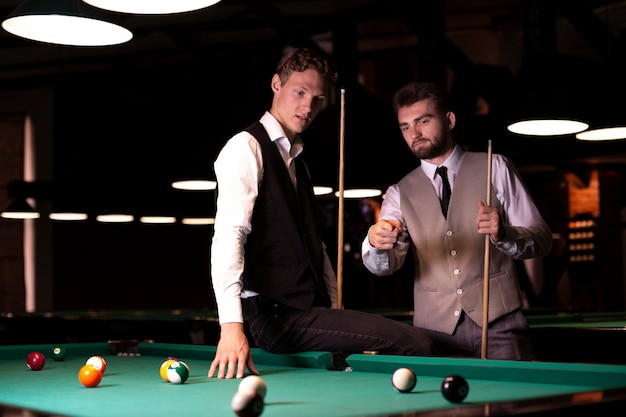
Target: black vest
(283, 253)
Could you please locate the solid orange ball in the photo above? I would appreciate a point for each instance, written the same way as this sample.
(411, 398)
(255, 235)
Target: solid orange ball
(89, 376)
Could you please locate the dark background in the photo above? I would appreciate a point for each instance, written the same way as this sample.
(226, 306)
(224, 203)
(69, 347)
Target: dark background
(129, 119)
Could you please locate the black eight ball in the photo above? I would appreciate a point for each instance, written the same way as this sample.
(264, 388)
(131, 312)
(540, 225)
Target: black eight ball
(454, 388)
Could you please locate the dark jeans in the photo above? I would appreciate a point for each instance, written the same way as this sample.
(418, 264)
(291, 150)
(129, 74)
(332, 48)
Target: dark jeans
(277, 328)
(507, 338)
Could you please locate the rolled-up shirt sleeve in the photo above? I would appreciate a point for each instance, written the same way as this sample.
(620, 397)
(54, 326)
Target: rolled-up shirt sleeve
(527, 235)
(386, 262)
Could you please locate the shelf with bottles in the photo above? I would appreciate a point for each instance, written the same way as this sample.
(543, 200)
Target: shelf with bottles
(582, 234)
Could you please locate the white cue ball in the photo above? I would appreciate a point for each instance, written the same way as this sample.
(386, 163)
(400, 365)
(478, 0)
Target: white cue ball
(254, 383)
(403, 379)
(247, 403)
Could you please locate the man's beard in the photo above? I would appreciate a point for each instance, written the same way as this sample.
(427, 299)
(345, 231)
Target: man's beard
(435, 149)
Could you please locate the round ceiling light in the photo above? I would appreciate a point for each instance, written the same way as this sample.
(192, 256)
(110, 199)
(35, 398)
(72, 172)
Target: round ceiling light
(151, 6)
(547, 127)
(609, 133)
(63, 22)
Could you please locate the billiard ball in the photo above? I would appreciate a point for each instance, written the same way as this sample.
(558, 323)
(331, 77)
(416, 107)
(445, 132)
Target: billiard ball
(164, 366)
(247, 403)
(89, 376)
(177, 372)
(403, 380)
(59, 353)
(454, 388)
(255, 383)
(35, 361)
(97, 362)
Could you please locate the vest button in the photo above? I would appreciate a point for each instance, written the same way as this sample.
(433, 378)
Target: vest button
(457, 313)
(453, 252)
(449, 233)
(456, 271)
(459, 291)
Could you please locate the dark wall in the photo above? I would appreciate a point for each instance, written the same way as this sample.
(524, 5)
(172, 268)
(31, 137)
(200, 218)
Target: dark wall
(121, 137)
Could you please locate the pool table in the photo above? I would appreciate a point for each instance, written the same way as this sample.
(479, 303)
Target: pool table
(165, 326)
(598, 337)
(557, 336)
(305, 384)
(566, 336)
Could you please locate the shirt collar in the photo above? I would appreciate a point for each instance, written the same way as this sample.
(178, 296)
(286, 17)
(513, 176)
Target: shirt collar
(276, 132)
(452, 163)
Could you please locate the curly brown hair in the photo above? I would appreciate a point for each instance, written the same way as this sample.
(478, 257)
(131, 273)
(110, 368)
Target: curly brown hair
(302, 59)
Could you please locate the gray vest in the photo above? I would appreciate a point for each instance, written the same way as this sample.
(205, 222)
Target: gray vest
(449, 255)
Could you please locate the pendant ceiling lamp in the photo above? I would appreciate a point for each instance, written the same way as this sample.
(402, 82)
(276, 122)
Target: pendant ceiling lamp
(607, 133)
(547, 127)
(195, 185)
(64, 22)
(19, 209)
(151, 6)
(358, 193)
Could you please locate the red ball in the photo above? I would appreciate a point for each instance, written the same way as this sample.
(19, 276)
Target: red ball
(35, 361)
(89, 376)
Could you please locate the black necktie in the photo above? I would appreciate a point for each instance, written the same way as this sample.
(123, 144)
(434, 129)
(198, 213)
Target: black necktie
(445, 195)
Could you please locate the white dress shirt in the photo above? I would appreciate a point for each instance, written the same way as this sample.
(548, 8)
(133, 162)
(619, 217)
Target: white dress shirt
(518, 211)
(239, 171)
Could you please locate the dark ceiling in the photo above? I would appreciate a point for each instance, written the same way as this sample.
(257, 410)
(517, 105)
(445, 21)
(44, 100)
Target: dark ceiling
(131, 118)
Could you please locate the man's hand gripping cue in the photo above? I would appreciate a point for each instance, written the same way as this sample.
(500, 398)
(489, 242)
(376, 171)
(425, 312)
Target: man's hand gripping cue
(384, 234)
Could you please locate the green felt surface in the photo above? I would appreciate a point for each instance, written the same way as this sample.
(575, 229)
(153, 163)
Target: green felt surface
(298, 385)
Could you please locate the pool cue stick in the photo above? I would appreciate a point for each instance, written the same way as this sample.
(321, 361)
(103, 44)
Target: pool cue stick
(342, 117)
(485, 327)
